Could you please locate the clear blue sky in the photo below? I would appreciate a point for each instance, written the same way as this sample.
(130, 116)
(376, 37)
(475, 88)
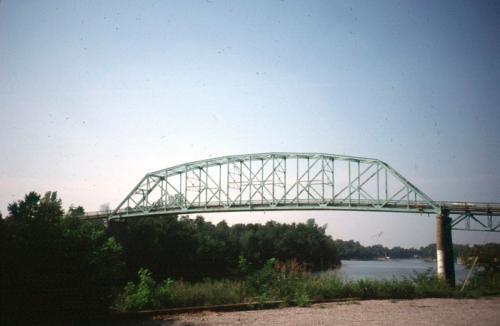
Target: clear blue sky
(94, 94)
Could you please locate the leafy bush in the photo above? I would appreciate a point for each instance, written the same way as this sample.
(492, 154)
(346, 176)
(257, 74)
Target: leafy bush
(261, 283)
(276, 281)
(326, 287)
(488, 257)
(486, 279)
(146, 294)
(398, 289)
(484, 284)
(366, 289)
(427, 285)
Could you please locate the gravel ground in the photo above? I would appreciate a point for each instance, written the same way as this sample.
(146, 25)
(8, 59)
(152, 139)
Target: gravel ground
(483, 312)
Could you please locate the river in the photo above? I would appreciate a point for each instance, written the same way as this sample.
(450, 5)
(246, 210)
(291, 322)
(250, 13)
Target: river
(387, 269)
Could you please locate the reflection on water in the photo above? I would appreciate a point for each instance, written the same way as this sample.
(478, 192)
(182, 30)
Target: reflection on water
(387, 269)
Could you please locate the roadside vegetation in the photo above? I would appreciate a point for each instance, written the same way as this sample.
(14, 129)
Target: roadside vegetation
(291, 284)
(56, 267)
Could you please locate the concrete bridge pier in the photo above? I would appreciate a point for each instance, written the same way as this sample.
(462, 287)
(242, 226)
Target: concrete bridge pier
(444, 248)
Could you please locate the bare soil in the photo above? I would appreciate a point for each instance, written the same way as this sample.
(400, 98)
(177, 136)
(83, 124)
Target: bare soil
(484, 311)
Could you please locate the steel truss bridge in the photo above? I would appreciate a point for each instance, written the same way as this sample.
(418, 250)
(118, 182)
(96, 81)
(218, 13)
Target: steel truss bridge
(291, 181)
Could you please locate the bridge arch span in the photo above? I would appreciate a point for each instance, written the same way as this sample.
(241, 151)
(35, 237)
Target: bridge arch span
(275, 181)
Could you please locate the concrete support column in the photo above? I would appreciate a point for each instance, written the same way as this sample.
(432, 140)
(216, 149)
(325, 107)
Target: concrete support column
(444, 248)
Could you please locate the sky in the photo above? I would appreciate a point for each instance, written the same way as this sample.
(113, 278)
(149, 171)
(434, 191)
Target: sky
(95, 94)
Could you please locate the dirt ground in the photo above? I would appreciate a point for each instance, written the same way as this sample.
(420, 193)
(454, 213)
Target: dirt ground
(485, 311)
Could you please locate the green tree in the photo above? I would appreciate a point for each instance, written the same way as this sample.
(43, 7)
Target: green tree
(488, 255)
(54, 268)
(25, 210)
(75, 212)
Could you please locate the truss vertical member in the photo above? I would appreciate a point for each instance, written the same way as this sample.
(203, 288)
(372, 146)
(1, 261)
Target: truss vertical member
(444, 248)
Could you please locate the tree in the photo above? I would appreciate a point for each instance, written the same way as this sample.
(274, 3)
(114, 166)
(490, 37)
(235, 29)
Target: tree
(488, 261)
(54, 268)
(75, 212)
(34, 206)
(50, 207)
(193, 249)
(24, 210)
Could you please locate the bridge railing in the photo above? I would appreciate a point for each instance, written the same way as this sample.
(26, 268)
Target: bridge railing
(304, 204)
(462, 207)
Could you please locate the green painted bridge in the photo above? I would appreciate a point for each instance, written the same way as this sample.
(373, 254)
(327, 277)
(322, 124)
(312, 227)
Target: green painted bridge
(291, 181)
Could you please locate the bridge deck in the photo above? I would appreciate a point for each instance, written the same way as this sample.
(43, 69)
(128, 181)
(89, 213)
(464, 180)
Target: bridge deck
(464, 212)
(454, 207)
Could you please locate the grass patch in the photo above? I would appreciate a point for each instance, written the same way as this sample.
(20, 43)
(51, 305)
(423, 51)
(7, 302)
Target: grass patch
(206, 293)
(291, 284)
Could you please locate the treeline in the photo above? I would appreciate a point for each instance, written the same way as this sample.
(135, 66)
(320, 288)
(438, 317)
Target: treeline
(193, 249)
(354, 250)
(56, 267)
(487, 255)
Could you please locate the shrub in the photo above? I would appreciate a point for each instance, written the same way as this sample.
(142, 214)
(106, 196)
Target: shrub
(277, 281)
(427, 285)
(398, 289)
(366, 288)
(484, 284)
(146, 294)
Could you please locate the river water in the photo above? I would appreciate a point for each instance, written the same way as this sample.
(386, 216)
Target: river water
(387, 269)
